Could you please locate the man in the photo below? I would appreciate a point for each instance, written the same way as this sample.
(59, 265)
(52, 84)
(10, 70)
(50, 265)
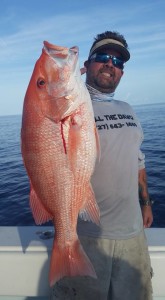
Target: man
(118, 248)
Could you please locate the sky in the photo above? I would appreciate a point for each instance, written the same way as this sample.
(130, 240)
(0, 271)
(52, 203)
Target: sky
(24, 25)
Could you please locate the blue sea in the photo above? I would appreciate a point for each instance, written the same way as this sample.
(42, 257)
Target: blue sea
(14, 184)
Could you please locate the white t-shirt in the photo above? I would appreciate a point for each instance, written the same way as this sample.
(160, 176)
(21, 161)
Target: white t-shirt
(115, 179)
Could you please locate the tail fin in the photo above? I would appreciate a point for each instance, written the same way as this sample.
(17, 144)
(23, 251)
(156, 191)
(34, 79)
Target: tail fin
(70, 260)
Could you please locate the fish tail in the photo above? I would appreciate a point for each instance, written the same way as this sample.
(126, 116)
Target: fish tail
(70, 260)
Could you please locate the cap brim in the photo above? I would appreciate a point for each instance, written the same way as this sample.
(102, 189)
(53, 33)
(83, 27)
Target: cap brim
(111, 44)
(124, 52)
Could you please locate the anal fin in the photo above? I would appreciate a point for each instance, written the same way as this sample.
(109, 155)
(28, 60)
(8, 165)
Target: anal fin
(90, 211)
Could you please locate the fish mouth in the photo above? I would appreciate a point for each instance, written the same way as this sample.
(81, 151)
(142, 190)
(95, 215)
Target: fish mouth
(54, 50)
(59, 51)
(62, 55)
(64, 87)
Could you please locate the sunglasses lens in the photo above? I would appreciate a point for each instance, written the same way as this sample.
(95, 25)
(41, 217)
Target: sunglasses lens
(117, 62)
(104, 58)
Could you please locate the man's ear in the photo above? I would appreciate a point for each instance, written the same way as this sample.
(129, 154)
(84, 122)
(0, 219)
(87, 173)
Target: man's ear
(86, 63)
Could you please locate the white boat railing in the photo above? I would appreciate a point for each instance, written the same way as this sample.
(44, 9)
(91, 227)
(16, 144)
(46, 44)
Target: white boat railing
(25, 254)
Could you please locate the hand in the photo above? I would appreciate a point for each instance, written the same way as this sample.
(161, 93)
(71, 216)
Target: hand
(83, 70)
(147, 216)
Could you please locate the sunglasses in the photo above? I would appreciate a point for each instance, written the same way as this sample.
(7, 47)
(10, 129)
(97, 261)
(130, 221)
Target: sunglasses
(104, 58)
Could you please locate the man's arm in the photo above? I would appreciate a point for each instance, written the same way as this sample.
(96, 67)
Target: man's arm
(145, 199)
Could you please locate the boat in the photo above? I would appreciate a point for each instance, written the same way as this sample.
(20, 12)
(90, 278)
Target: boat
(25, 256)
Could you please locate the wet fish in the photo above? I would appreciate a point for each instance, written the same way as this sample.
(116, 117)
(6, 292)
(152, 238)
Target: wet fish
(59, 149)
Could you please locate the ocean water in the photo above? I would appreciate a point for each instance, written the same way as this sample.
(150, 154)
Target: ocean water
(152, 118)
(14, 183)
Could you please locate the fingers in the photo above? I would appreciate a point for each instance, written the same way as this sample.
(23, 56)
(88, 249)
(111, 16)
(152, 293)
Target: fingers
(147, 222)
(147, 216)
(83, 70)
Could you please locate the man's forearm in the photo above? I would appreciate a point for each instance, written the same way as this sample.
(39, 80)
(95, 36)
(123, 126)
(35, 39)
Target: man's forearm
(145, 199)
(143, 187)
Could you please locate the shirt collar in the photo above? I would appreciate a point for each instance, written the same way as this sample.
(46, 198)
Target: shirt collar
(99, 96)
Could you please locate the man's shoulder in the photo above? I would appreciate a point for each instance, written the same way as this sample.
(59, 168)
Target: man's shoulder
(114, 105)
(122, 103)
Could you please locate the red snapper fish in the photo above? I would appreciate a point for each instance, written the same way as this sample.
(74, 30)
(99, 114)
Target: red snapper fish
(59, 149)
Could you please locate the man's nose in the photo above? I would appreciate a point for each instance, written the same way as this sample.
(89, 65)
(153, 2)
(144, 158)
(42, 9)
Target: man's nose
(109, 63)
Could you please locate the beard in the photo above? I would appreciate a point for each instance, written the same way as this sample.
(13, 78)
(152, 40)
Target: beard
(105, 79)
(105, 83)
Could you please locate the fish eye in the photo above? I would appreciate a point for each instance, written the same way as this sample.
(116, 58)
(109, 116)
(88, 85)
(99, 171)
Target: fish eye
(40, 82)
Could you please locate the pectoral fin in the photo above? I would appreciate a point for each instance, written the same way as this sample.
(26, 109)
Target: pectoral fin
(40, 214)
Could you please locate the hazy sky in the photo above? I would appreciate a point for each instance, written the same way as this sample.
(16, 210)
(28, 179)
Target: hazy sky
(24, 25)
